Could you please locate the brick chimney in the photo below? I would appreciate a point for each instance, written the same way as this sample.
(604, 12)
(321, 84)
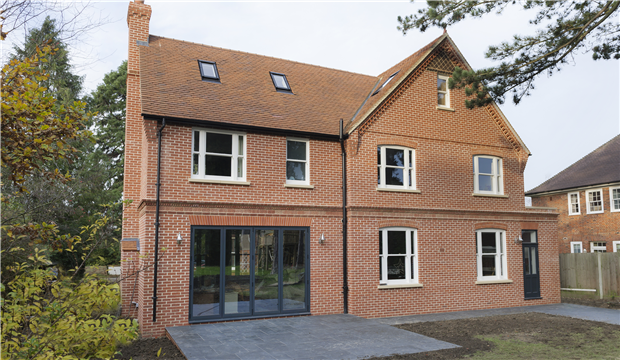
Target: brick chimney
(138, 17)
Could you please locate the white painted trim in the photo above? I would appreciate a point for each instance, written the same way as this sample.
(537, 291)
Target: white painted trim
(615, 245)
(399, 190)
(402, 286)
(409, 254)
(491, 195)
(382, 168)
(447, 92)
(307, 162)
(611, 199)
(500, 255)
(570, 204)
(299, 186)
(497, 175)
(202, 152)
(228, 182)
(572, 248)
(569, 289)
(600, 191)
(593, 248)
(484, 282)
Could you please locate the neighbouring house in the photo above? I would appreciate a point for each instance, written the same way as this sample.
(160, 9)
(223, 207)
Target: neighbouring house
(260, 202)
(587, 196)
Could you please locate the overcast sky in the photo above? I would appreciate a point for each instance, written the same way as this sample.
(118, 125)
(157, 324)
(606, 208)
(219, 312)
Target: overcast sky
(568, 115)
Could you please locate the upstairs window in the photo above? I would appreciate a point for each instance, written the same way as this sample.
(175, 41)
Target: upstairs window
(573, 204)
(218, 155)
(443, 93)
(594, 201)
(396, 167)
(385, 83)
(614, 198)
(297, 155)
(488, 175)
(208, 70)
(398, 256)
(280, 82)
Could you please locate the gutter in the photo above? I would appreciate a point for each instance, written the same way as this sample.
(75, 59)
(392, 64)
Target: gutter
(159, 134)
(345, 280)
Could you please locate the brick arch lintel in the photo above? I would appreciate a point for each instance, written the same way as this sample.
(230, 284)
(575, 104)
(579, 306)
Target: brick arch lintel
(206, 220)
(488, 151)
(399, 223)
(490, 225)
(397, 140)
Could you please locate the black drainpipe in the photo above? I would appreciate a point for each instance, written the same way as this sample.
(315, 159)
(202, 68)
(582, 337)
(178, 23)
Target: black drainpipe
(345, 281)
(159, 132)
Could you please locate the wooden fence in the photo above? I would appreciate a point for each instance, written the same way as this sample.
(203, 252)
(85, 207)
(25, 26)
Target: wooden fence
(594, 273)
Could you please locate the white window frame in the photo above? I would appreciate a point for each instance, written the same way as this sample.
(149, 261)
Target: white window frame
(570, 204)
(588, 192)
(447, 92)
(411, 256)
(497, 175)
(406, 169)
(600, 248)
(572, 247)
(202, 152)
(612, 208)
(307, 162)
(500, 256)
(616, 245)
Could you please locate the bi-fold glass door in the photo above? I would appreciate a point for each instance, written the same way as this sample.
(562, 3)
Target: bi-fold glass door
(248, 272)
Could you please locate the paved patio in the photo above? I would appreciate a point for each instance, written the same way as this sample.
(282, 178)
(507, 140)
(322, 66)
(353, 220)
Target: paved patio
(340, 336)
(308, 337)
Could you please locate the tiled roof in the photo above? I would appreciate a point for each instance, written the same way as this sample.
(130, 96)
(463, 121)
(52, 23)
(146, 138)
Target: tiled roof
(601, 166)
(172, 87)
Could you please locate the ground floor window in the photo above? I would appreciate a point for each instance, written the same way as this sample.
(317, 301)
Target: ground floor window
(598, 246)
(248, 272)
(617, 246)
(398, 256)
(491, 254)
(575, 247)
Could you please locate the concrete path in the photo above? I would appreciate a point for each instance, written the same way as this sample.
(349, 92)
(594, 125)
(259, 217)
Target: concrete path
(308, 337)
(609, 316)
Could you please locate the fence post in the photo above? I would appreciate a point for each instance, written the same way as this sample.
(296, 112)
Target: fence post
(600, 276)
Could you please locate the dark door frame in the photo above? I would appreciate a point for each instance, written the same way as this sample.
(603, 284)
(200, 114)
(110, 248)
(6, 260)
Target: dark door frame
(281, 311)
(527, 283)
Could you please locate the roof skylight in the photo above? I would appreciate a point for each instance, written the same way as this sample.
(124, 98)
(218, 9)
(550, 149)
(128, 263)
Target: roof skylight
(280, 82)
(385, 83)
(208, 70)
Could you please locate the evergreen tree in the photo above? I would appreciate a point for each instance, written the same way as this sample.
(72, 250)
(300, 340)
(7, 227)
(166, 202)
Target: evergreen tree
(566, 28)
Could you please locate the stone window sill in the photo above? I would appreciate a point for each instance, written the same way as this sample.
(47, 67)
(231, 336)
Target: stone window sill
(226, 182)
(491, 195)
(484, 282)
(296, 186)
(399, 286)
(400, 190)
(445, 108)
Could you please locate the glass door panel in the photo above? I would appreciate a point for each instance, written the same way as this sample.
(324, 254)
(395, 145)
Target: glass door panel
(206, 273)
(293, 270)
(266, 272)
(237, 272)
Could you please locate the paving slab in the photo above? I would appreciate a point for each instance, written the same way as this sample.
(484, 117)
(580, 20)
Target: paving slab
(609, 316)
(310, 337)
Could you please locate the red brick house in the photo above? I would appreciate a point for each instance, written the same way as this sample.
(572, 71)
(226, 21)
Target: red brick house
(251, 208)
(587, 196)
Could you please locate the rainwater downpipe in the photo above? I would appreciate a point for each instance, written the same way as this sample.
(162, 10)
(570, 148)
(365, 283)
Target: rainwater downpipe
(345, 281)
(159, 134)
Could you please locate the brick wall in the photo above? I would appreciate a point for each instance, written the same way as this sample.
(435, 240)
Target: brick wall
(584, 227)
(445, 212)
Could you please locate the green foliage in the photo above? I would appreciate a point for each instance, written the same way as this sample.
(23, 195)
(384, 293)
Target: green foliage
(565, 28)
(44, 317)
(34, 128)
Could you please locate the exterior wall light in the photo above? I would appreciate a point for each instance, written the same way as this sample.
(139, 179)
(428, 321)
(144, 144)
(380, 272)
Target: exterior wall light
(322, 239)
(518, 239)
(179, 239)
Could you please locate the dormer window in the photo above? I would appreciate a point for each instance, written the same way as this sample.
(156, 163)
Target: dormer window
(208, 70)
(280, 82)
(385, 83)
